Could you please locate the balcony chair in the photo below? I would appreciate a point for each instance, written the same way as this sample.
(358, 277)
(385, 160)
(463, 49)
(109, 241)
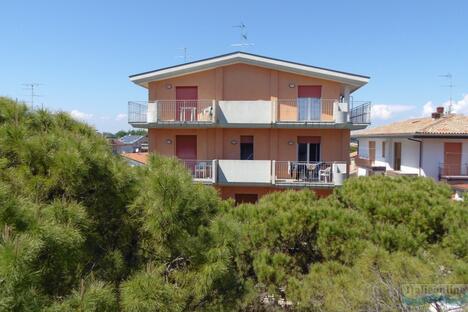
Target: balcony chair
(325, 175)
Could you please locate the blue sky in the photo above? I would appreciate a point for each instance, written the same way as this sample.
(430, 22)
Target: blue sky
(83, 51)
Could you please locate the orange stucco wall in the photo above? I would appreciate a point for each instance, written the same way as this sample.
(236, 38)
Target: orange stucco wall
(242, 82)
(269, 144)
(248, 82)
(230, 191)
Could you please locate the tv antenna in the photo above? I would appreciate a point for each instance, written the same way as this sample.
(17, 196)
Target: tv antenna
(450, 86)
(32, 88)
(185, 55)
(244, 41)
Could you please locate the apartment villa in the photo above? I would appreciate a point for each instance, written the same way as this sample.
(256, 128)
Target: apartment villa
(435, 147)
(250, 125)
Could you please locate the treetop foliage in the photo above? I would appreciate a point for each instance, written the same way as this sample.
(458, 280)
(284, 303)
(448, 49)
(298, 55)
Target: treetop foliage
(83, 231)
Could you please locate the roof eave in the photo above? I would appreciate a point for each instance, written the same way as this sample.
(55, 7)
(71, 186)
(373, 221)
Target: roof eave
(411, 134)
(354, 81)
(382, 135)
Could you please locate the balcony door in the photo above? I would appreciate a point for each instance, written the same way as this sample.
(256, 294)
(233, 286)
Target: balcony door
(186, 147)
(452, 159)
(186, 103)
(309, 106)
(308, 149)
(246, 147)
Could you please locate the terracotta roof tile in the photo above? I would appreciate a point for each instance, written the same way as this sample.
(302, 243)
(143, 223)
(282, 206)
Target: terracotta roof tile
(138, 157)
(446, 125)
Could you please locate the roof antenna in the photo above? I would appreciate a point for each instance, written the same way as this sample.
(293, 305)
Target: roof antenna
(244, 41)
(450, 86)
(31, 87)
(185, 55)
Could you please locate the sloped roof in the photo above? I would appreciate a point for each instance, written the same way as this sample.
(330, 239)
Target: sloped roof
(447, 125)
(130, 139)
(138, 157)
(353, 80)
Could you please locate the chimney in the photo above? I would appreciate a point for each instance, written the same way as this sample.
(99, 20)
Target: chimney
(440, 110)
(435, 115)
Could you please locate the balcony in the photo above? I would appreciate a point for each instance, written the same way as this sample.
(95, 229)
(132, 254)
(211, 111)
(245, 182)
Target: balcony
(201, 170)
(244, 172)
(171, 112)
(267, 173)
(239, 113)
(286, 113)
(311, 174)
(453, 171)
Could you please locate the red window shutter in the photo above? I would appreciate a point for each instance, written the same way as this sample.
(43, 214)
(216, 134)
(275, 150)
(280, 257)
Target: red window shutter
(308, 140)
(309, 91)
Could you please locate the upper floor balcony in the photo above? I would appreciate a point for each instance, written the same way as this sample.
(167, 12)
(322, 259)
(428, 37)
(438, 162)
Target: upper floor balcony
(300, 112)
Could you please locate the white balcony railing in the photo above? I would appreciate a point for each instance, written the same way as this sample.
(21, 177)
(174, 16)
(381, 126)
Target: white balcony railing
(267, 172)
(309, 173)
(172, 111)
(307, 110)
(201, 170)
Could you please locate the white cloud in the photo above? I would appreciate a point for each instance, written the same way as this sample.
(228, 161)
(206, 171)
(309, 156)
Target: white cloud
(80, 115)
(428, 109)
(386, 111)
(120, 117)
(461, 106)
(458, 107)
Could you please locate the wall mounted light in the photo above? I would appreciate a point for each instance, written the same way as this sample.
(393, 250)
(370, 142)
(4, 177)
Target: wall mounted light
(168, 141)
(233, 142)
(290, 142)
(168, 86)
(292, 85)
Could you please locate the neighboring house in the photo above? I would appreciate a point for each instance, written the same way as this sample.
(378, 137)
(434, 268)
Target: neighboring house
(434, 147)
(130, 144)
(251, 124)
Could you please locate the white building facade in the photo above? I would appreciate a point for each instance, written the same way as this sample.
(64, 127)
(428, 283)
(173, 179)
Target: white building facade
(435, 147)
(408, 155)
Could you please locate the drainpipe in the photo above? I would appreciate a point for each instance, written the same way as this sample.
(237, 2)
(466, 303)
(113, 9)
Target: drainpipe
(420, 153)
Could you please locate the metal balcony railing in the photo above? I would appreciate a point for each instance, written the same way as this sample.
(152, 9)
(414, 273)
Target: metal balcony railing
(291, 172)
(301, 110)
(360, 112)
(185, 110)
(137, 112)
(453, 170)
(305, 110)
(171, 111)
(201, 170)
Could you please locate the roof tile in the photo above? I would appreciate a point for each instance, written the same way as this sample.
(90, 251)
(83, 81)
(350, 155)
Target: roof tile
(446, 125)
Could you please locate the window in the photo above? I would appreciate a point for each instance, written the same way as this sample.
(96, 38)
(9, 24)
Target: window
(308, 149)
(246, 147)
(383, 149)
